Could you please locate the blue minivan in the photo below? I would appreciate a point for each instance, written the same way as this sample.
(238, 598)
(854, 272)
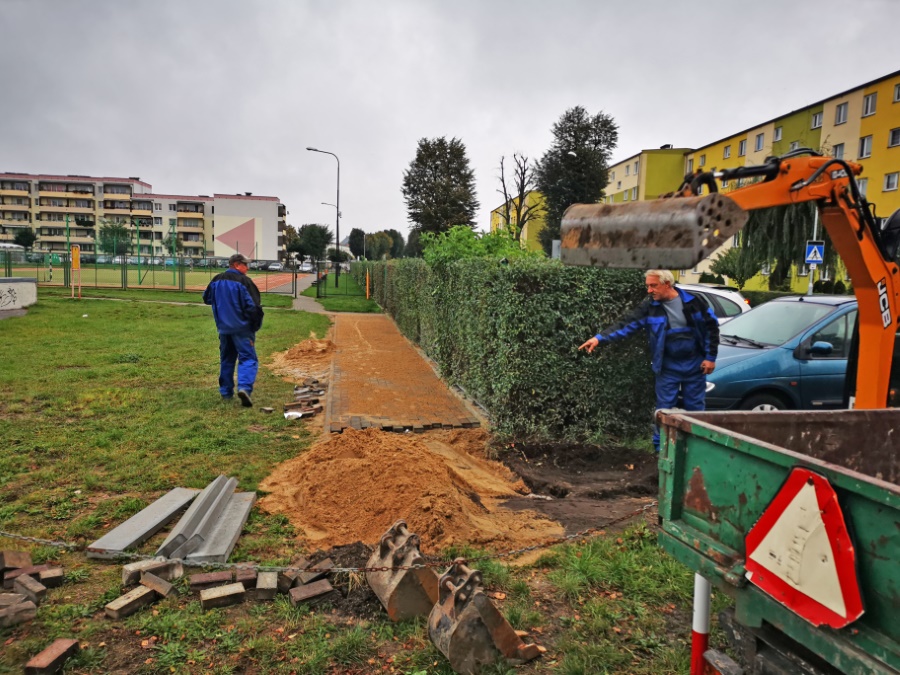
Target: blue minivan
(789, 353)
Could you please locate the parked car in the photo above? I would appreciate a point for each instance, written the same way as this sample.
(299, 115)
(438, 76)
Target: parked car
(789, 353)
(103, 259)
(275, 267)
(726, 302)
(156, 261)
(306, 267)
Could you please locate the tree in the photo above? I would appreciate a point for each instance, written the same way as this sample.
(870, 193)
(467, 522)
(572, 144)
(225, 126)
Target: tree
(378, 245)
(413, 248)
(516, 212)
(114, 236)
(290, 236)
(357, 241)
(314, 239)
(574, 169)
(439, 186)
(397, 245)
(739, 263)
(336, 255)
(25, 237)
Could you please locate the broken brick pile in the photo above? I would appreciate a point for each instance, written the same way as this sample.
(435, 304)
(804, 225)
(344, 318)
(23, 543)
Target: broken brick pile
(24, 586)
(306, 399)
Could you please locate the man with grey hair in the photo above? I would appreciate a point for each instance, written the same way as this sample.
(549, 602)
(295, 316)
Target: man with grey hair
(684, 341)
(238, 312)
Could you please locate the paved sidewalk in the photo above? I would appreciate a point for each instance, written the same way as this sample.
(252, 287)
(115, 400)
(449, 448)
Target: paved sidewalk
(380, 379)
(303, 303)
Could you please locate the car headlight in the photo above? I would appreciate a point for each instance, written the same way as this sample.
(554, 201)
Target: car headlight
(710, 386)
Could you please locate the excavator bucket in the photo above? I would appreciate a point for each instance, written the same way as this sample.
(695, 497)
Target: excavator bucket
(467, 628)
(404, 593)
(658, 234)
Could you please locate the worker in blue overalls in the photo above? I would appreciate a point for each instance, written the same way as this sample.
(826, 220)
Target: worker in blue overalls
(684, 341)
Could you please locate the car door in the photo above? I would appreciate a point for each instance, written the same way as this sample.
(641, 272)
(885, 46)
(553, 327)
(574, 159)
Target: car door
(822, 375)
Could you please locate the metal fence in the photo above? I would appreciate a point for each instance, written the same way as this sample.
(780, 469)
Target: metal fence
(132, 272)
(329, 284)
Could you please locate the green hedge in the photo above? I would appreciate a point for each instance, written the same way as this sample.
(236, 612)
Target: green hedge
(508, 334)
(759, 297)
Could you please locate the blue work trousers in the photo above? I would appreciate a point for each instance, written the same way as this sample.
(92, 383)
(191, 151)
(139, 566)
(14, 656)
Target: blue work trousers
(237, 348)
(680, 374)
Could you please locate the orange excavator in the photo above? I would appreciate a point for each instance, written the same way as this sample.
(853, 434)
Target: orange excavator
(679, 230)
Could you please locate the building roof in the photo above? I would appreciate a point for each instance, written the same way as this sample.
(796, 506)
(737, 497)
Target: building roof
(227, 196)
(71, 178)
(181, 198)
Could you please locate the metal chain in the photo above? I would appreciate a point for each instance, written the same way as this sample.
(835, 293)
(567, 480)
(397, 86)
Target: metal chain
(276, 568)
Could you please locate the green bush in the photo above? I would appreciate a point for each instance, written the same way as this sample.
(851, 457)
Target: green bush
(708, 278)
(508, 333)
(839, 288)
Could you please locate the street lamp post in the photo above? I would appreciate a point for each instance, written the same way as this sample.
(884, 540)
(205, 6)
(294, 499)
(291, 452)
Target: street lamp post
(337, 208)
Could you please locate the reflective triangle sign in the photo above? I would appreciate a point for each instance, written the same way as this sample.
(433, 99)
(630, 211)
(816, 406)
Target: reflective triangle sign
(815, 252)
(800, 553)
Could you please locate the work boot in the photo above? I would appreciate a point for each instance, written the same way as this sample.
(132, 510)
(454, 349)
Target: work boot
(245, 398)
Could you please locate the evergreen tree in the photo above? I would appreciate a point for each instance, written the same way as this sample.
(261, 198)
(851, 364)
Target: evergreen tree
(574, 169)
(25, 237)
(398, 244)
(314, 239)
(114, 236)
(439, 186)
(357, 240)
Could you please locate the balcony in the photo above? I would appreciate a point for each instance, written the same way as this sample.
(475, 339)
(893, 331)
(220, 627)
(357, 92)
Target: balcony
(22, 191)
(14, 222)
(188, 210)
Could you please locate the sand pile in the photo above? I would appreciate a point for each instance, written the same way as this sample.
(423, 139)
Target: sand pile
(310, 358)
(354, 486)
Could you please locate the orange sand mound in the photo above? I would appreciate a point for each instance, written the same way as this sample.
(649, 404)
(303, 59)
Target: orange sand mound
(310, 358)
(354, 486)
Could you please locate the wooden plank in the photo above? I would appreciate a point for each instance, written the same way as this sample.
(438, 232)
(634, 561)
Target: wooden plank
(52, 659)
(142, 525)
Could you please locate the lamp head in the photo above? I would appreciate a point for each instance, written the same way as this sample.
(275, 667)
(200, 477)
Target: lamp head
(312, 149)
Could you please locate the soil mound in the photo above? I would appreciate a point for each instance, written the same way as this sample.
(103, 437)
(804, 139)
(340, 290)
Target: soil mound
(310, 358)
(353, 486)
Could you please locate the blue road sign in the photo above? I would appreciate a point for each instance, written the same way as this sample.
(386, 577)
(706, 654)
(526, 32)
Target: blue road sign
(815, 252)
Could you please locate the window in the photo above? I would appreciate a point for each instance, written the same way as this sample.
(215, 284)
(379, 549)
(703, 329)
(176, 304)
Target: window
(612, 175)
(777, 134)
(816, 120)
(171, 222)
(897, 93)
(837, 334)
(838, 151)
(690, 166)
(726, 153)
(894, 138)
(794, 145)
(742, 148)
(628, 169)
(725, 187)
(157, 207)
(760, 138)
(619, 185)
(890, 181)
(702, 160)
(840, 114)
(865, 147)
(171, 207)
(863, 185)
(869, 104)
(803, 271)
(637, 164)
(634, 194)
(625, 197)
(157, 221)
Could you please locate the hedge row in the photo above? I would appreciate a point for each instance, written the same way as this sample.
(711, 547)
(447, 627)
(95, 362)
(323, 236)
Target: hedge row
(508, 334)
(759, 297)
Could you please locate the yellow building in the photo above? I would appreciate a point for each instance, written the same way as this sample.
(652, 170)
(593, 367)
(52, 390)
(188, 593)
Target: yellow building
(528, 238)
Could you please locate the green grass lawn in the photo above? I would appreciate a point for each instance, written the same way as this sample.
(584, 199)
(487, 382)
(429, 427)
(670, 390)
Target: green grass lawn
(152, 295)
(103, 413)
(348, 296)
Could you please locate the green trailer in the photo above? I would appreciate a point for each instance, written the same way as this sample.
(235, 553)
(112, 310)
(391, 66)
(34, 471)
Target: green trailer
(721, 476)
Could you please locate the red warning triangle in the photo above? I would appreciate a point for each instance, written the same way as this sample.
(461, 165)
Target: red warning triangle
(800, 553)
(241, 238)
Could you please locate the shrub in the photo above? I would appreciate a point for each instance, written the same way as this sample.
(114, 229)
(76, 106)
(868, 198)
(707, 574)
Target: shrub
(508, 332)
(839, 288)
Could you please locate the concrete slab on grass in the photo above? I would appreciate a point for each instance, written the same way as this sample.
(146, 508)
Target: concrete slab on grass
(142, 525)
(226, 531)
(186, 525)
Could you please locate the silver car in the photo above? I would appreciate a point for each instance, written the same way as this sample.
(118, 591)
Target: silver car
(726, 302)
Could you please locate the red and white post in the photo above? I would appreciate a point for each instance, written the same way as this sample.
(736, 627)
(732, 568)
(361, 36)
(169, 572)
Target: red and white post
(700, 627)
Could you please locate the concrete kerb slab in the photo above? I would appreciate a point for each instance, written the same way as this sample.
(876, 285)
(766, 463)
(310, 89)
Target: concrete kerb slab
(189, 521)
(226, 530)
(208, 521)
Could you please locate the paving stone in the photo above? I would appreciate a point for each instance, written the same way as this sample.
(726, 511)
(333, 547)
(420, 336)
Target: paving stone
(7, 599)
(266, 586)
(161, 586)
(246, 576)
(132, 601)
(309, 577)
(131, 573)
(16, 614)
(222, 596)
(52, 578)
(10, 576)
(31, 588)
(210, 579)
(52, 659)
(14, 560)
(142, 525)
(312, 593)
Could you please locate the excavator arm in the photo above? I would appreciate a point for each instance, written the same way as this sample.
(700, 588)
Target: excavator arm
(682, 228)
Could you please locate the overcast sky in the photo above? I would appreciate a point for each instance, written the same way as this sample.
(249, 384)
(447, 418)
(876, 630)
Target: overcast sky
(204, 96)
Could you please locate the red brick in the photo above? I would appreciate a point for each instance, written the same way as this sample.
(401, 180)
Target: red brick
(52, 659)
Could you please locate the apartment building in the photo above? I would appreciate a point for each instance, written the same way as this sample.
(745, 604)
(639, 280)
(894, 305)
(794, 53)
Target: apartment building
(71, 209)
(528, 237)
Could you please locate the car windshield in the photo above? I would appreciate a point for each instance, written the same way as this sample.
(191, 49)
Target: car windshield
(774, 323)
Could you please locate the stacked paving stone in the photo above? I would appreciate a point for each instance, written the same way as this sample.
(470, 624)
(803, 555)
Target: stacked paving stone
(25, 586)
(230, 587)
(306, 401)
(154, 579)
